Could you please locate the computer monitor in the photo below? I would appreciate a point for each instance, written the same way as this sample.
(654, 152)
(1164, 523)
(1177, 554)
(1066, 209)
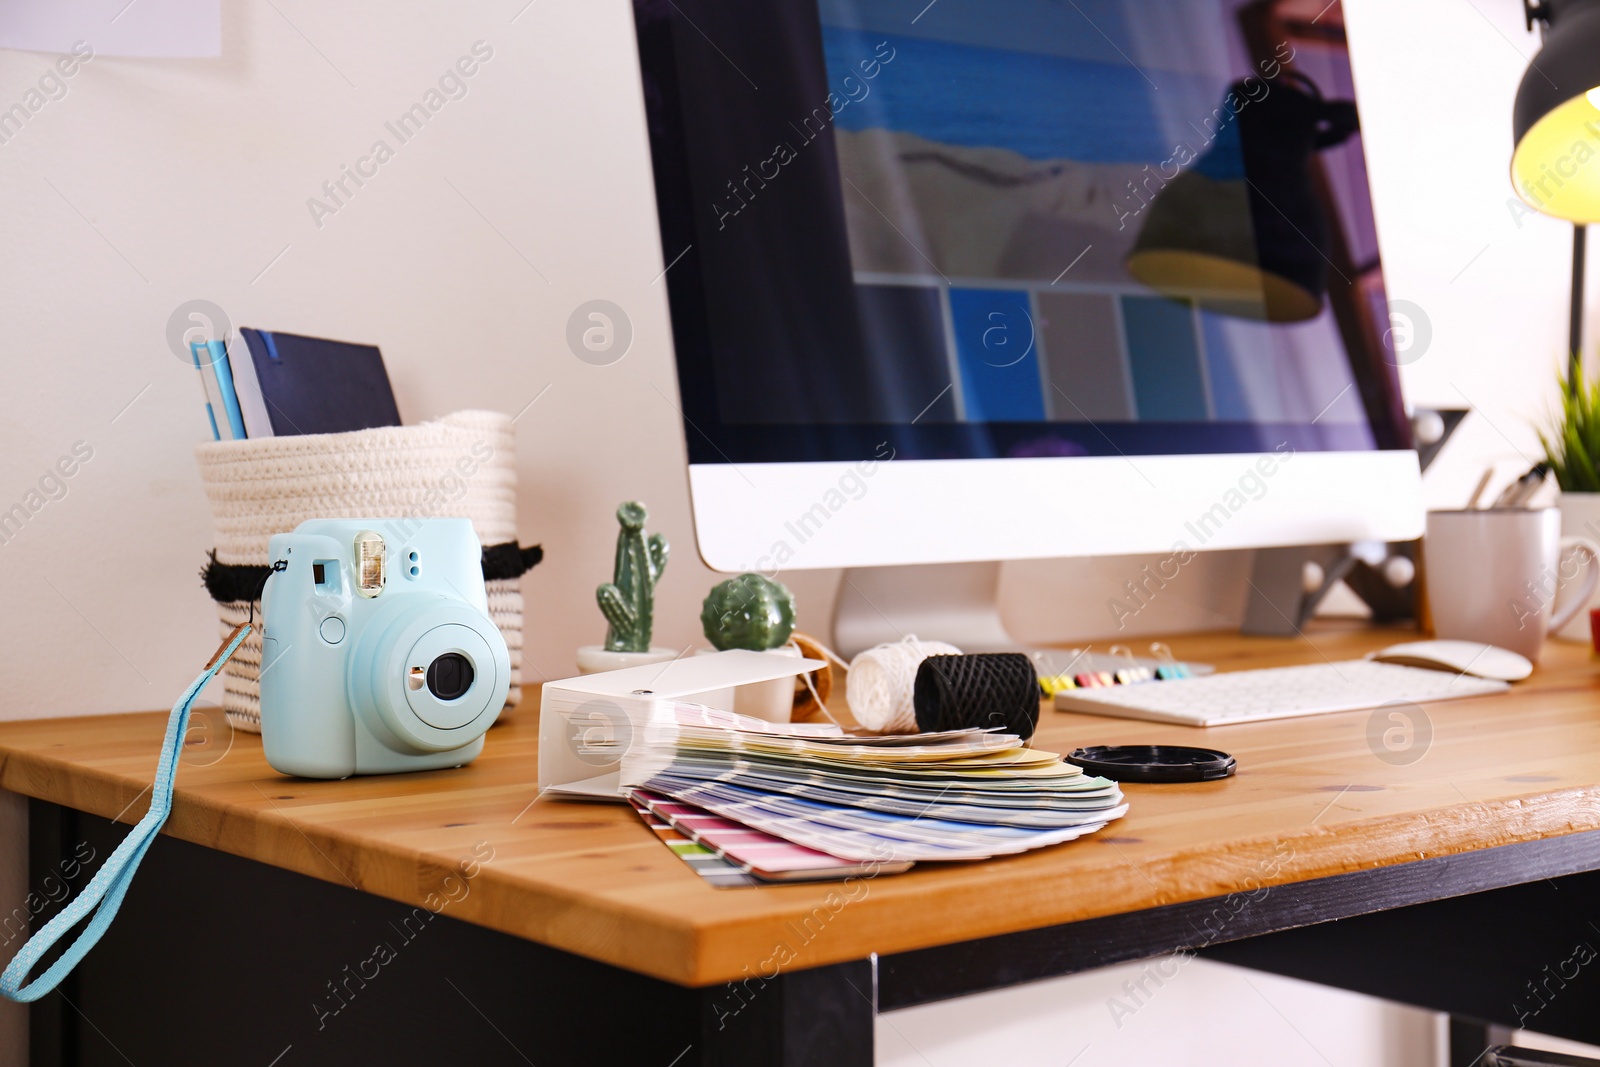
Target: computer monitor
(956, 281)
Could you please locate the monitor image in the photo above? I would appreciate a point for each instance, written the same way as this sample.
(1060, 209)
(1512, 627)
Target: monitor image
(955, 282)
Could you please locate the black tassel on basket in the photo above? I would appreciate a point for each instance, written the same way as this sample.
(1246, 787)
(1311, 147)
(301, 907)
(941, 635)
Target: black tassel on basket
(230, 583)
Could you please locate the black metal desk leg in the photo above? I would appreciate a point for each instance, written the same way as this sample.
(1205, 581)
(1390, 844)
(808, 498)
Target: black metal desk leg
(52, 837)
(817, 1018)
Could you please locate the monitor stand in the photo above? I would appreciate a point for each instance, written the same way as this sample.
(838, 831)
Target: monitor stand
(958, 603)
(1280, 602)
(954, 602)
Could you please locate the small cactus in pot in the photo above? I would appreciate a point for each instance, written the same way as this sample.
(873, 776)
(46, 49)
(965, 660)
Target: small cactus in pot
(750, 611)
(628, 600)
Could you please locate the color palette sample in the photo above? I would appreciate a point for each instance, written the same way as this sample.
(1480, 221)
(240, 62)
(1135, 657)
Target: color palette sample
(1036, 353)
(757, 856)
(701, 860)
(997, 346)
(1164, 358)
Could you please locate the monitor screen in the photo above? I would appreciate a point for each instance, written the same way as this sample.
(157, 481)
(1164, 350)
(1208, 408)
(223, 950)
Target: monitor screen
(1020, 228)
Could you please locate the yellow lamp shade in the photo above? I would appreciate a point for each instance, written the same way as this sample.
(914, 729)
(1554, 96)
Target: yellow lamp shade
(1556, 164)
(1555, 124)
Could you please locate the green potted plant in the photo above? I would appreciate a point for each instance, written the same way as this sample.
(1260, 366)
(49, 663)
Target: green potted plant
(1572, 452)
(755, 613)
(628, 600)
(750, 611)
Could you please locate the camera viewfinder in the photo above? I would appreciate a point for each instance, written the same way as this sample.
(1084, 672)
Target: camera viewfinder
(325, 575)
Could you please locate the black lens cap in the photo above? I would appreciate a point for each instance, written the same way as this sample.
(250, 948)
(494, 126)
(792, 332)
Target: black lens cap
(1154, 763)
(450, 676)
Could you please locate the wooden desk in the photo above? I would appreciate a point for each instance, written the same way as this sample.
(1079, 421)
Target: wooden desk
(1492, 792)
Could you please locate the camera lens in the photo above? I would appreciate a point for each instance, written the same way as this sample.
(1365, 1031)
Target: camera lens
(450, 676)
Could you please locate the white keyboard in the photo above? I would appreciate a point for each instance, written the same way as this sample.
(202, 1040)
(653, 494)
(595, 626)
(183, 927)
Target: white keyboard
(1275, 693)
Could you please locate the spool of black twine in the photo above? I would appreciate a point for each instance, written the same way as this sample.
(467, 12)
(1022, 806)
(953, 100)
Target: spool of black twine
(983, 690)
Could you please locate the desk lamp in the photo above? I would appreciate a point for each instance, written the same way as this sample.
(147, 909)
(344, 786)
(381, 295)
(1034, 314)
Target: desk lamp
(1556, 125)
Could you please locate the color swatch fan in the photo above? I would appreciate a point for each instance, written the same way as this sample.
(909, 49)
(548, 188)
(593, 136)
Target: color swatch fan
(954, 795)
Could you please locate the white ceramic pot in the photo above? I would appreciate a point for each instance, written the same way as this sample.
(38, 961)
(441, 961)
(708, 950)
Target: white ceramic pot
(1580, 517)
(771, 701)
(595, 659)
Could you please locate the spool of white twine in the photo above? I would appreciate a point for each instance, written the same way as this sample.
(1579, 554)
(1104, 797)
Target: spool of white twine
(881, 681)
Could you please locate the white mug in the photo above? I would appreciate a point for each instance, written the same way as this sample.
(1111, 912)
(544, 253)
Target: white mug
(1494, 575)
(1580, 517)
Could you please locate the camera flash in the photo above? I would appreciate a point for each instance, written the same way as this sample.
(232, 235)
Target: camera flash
(369, 563)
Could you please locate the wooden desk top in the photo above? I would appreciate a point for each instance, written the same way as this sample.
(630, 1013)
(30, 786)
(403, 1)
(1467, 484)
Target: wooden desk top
(1311, 799)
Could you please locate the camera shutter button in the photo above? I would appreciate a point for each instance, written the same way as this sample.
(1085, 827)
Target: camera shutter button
(332, 629)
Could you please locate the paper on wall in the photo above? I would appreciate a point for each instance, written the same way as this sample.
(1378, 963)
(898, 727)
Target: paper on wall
(149, 28)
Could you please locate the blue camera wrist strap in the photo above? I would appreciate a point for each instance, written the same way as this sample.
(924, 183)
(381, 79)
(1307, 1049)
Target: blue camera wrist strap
(103, 895)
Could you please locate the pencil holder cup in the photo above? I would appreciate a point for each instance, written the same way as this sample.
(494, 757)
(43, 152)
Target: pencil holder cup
(462, 466)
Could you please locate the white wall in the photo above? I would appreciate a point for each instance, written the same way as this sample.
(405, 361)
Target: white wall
(1170, 1010)
(1436, 80)
(156, 182)
(462, 258)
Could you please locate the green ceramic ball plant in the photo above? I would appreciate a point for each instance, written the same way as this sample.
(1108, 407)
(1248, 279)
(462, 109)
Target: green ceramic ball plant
(749, 611)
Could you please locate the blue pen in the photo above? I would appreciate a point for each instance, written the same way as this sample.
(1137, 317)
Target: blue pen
(230, 396)
(211, 416)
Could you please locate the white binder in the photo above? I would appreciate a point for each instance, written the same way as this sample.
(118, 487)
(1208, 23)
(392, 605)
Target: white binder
(586, 724)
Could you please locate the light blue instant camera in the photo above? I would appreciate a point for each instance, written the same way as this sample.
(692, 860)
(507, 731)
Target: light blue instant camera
(378, 653)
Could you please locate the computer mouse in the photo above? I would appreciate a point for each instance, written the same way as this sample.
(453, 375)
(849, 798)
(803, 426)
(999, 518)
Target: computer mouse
(1463, 657)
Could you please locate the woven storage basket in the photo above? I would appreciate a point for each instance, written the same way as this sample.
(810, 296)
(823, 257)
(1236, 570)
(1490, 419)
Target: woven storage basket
(460, 466)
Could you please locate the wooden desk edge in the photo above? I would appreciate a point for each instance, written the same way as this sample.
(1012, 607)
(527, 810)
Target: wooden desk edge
(694, 954)
(669, 925)
(336, 857)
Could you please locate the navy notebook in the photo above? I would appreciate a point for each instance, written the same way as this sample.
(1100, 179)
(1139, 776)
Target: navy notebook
(310, 385)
